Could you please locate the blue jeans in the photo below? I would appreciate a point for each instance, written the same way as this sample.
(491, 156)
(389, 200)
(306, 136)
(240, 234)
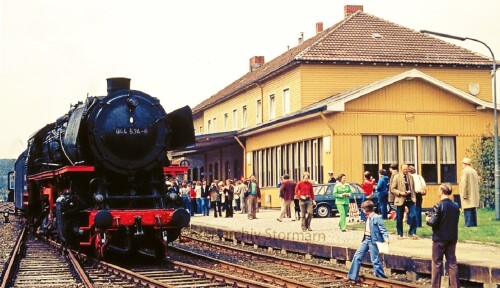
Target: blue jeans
(205, 209)
(470, 217)
(418, 210)
(238, 204)
(412, 218)
(198, 205)
(366, 245)
(382, 207)
(185, 202)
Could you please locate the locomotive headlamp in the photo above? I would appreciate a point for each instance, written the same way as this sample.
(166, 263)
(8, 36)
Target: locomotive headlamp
(98, 198)
(132, 103)
(6, 216)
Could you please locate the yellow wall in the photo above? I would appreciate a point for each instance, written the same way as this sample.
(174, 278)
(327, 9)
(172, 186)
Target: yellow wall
(408, 107)
(321, 81)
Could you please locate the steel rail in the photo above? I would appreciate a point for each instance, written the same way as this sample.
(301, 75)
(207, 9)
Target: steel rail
(334, 272)
(13, 258)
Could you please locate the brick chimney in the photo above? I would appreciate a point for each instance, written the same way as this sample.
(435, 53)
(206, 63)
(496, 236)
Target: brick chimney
(319, 27)
(256, 62)
(351, 9)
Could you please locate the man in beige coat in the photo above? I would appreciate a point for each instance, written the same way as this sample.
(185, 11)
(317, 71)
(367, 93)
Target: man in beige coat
(403, 190)
(469, 192)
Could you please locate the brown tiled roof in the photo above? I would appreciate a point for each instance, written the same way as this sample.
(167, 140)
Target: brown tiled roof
(360, 37)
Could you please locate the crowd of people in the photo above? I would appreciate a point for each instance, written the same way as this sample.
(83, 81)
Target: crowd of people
(200, 197)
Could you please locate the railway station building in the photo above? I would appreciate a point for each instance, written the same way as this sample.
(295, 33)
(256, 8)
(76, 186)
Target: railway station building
(355, 97)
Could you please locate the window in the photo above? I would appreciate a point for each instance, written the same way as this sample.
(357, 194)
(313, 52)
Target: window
(272, 107)
(389, 151)
(237, 170)
(409, 146)
(286, 101)
(294, 158)
(370, 155)
(429, 159)
(216, 171)
(201, 129)
(235, 119)
(214, 127)
(209, 126)
(244, 117)
(210, 173)
(448, 160)
(226, 119)
(195, 174)
(227, 170)
(257, 112)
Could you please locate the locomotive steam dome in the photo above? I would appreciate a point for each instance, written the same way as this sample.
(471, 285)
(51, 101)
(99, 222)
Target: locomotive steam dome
(127, 129)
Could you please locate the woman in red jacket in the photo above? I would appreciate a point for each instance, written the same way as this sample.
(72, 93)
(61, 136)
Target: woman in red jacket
(368, 186)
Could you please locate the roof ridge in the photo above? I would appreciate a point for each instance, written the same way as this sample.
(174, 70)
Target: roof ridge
(332, 29)
(420, 33)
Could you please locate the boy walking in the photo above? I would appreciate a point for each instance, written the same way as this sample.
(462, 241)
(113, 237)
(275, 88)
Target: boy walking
(375, 231)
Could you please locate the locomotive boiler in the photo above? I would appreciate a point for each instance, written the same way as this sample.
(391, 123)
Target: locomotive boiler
(95, 177)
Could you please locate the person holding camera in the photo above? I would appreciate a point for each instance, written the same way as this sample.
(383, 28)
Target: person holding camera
(403, 189)
(215, 199)
(304, 191)
(444, 222)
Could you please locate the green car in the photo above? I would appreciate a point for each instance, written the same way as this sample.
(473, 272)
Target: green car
(325, 200)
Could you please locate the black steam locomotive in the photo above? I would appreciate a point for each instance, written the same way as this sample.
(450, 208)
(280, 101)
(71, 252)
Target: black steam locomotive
(95, 177)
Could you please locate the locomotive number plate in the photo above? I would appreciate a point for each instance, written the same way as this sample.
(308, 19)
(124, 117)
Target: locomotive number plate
(131, 131)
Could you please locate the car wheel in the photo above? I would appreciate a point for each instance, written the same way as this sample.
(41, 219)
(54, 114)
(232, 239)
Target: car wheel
(323, 211)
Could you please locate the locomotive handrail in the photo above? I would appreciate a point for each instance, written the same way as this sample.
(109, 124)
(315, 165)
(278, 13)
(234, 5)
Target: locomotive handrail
(64, 150)
(60, 171)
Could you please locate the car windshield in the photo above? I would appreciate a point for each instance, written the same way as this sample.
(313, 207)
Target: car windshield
(319, 190)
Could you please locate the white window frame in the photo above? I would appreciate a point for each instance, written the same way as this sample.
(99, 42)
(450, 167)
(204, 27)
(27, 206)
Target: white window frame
(226, 120)
(410, 145)
(244, 117)
(286, 101)
(272, 106)
(235, 119)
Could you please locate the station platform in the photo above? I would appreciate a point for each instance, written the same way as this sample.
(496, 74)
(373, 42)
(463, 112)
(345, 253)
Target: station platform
(478, 263)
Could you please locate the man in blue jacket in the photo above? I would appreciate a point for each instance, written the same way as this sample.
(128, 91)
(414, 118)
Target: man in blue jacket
(375, 231)
(383, 192)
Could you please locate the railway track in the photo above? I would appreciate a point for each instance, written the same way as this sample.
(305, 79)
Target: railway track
(39, 264)
(277, 270)
(35, 263)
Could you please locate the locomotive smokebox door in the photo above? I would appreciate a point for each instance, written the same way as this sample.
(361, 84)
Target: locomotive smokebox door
(127, 132)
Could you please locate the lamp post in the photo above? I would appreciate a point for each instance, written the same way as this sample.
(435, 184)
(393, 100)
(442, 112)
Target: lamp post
(495, 132)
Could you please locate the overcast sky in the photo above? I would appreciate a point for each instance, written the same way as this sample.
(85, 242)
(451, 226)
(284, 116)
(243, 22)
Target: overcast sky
(53, 53)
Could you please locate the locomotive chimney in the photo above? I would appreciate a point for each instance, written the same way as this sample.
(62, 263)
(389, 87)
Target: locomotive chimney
(115, 84)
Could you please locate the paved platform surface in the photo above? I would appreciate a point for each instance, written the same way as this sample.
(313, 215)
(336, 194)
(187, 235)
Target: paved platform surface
(326, 231)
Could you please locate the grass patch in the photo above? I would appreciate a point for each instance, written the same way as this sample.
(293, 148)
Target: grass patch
(487, 230)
